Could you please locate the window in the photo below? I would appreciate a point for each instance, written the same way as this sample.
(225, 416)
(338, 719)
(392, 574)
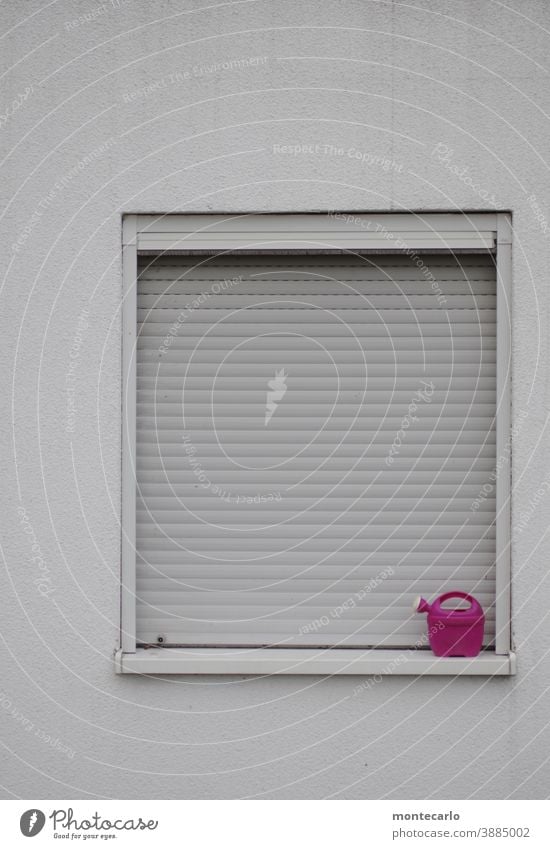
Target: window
(316, 419)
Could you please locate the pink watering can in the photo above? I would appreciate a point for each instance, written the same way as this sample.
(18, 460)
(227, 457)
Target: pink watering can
(453, 632)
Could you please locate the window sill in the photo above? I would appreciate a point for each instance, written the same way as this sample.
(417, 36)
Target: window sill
(308, 662)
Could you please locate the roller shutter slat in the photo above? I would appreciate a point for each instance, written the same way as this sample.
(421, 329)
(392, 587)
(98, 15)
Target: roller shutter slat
(296, 586)
(431, 457)
(336, 303)
(201, 542)
(287, 341)
(162, 482)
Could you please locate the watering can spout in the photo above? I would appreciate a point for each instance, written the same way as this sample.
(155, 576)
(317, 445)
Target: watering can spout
(420, 605)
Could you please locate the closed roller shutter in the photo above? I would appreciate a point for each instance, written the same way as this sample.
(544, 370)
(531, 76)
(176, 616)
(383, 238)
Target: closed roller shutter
(315, 446)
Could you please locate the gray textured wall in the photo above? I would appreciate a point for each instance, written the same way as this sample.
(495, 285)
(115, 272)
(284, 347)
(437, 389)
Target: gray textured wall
(132, 109)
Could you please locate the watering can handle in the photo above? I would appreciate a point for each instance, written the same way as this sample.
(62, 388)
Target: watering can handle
(459, 594)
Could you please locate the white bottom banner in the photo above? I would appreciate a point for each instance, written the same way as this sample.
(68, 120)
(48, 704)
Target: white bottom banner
(276, 824)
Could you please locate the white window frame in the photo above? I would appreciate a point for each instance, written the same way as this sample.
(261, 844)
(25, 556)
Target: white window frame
(316, 232)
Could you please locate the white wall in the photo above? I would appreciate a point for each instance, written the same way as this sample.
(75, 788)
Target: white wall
(387, 79)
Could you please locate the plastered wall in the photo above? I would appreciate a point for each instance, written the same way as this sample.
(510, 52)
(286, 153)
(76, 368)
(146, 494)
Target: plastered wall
(167, 106)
